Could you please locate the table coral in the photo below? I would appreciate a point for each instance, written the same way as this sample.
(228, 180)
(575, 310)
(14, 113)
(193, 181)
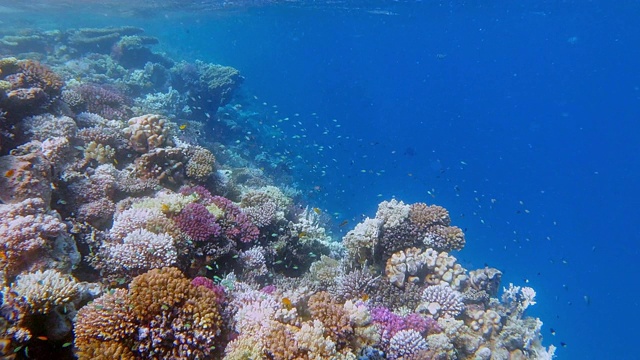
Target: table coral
(161, 315)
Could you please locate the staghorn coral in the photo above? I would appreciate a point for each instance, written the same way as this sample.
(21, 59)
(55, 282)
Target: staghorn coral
(146, 132)
(161, 315)
(262, 215)
(441, 300)
(200, 164)
(254, 262)
(355, 284)
(72, 98)
(104, 100)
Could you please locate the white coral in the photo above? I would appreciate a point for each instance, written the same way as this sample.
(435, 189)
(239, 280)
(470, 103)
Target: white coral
(41, 291)
(392, 213)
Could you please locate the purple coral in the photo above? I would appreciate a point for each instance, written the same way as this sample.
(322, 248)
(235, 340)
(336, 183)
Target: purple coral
(218, 290)
(104, 100)
(236, 224)
(197, 222)
(389, 323)
(204, 196)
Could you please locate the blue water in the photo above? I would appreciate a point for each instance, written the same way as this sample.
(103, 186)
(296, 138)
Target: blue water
(519, 117)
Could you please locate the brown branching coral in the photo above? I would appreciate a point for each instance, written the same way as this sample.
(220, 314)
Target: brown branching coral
(161, 316)
(166, 165)
(41, 76)
(200, 164)
(332, 315)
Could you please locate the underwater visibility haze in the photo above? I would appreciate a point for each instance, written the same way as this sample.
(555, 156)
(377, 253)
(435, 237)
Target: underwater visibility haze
(319, 180)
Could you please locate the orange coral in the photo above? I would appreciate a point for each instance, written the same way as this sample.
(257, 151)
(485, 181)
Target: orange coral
(41, 76)
(161, 316)
(280, 343)
(333, 316)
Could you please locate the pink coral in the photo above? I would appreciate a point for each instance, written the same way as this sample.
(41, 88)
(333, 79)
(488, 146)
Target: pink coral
(33, 239)
(204, 196)
(236, 224)
(197, 222)
(218, 290)
(105, 100)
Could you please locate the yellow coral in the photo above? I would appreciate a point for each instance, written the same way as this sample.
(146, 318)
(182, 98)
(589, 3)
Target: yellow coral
(102, 153)
(42, 291)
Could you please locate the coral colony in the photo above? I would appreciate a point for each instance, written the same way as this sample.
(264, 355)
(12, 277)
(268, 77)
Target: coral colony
(126, 233)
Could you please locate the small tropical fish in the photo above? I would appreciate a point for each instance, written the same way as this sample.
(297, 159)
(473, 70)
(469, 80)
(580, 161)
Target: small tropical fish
(164, 208)
(553, 332)
(302, 234)
(183, 126)
(364, 297)
(287, 303)
(317, 210)
(9, 173)
(43, 338)
(343, 223)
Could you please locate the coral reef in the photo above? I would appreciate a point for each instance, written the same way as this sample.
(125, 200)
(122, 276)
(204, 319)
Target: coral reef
(111, 174)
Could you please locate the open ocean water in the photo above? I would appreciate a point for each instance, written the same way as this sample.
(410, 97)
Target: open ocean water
(520, 117)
